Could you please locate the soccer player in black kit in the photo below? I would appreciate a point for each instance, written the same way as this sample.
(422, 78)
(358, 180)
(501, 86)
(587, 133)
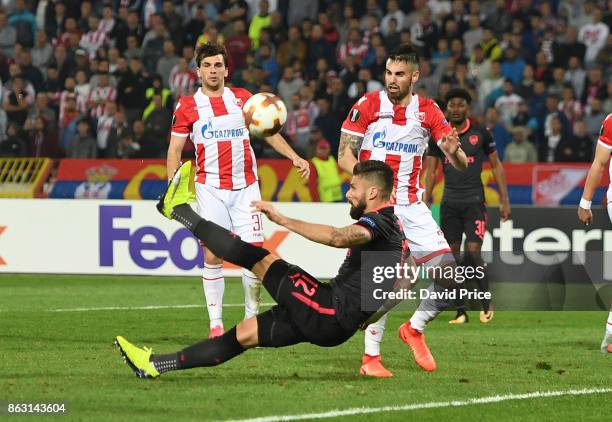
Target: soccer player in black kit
(462, 208)
(324, 314)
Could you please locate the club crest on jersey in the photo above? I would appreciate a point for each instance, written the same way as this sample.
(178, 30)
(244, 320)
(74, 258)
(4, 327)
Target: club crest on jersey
(354, 115)
(420, 116)
(473, 139)
(238, 102)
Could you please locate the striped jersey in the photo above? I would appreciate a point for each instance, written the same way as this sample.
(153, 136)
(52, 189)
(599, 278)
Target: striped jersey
(605, 140)
(224, 157)
(397, 135)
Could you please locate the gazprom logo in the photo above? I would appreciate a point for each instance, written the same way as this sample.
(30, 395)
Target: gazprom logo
(378, 141)
(209, 133)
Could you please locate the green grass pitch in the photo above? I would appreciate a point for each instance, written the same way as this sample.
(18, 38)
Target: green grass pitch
(68, 356)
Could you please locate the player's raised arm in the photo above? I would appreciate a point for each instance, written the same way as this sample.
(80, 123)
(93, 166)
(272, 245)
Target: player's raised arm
(449, 145)
(281, 146)
(500, 178)
(348, 151)
(337, 237)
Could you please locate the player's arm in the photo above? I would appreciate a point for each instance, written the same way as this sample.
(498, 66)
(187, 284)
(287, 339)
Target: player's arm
(175, 149)
(598, 167)
(449, 145)
(430, 177)
(280, 145)
(348, 150)
(500, 178)
(337, 237)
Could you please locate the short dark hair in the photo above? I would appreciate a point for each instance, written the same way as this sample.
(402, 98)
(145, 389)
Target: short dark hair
(377, 172)
(404, 53)
(209, 50)
(458, 93)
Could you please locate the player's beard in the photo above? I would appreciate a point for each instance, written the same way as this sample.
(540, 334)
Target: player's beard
(400, 94)
(358, 209)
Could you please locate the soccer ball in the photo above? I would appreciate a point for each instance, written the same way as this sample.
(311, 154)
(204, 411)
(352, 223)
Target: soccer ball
(264, 114)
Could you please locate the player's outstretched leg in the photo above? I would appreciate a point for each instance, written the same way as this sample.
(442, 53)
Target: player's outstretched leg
(371, 363)
(606, 344)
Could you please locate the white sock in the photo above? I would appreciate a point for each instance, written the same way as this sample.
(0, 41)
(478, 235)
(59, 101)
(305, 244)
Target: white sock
(374, 335)
(252, 291)
(609, 324)
(427, 311)
(214, 286)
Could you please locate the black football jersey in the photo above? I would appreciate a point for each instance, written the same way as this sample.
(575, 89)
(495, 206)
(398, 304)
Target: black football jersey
(387, 236)
(466, 186)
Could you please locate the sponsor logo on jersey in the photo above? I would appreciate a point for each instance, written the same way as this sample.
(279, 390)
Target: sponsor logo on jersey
(420, 116)
(209, 133)
(238, 102)
(378, 141)
(473, 139)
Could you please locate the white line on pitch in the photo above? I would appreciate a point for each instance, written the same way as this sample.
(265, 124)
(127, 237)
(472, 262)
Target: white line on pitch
(429, 405)
(146, 308)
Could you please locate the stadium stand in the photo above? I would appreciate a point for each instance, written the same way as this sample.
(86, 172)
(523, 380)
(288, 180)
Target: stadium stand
(539, 70)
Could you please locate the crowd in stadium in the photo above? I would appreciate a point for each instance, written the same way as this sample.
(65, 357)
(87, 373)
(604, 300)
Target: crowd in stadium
(86, 79)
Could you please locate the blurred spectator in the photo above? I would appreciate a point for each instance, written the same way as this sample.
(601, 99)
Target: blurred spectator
(525, 88)
(41, 109)
(182, 80)
(150, 146)
(173, 22)
(569, 46)
(575, 148)
(94, 38)
(83, 22)
(158, 121)
(3, 124)
(100, 96)
(24, 23)
(594, 35)
(288, 86)
(395, 13)
(557, 84)
(575, 75)
(355, 46)
(553, 138)
(329, 183)
(153, 46)
(238, 44)
(166, 63)
(268, 64)
(82, 144)
(157, 88)
(233, 10)
(133, 49)
(17, 100)
(42, 51)
(107, 23)
(364, 84)
(520, 150)
(299, 10)
(607, 104)
(319, 47)
(262, 19)
(329, 124)
(490, 45)
(131, 91)
(594, 117)
(15, 144)
(106, 122)
(8, 36)
(473, 35)
(501, 136)
(83, 90)
(117, 146)
(513, 65)
(493, 82)
(195, 26)
(30, 72)
(569, 106)
(594, 86)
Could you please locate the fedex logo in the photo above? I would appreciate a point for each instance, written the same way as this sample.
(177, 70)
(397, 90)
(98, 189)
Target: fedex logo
(156, 240)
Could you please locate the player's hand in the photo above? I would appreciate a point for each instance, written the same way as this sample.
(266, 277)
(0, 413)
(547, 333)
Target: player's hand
(450, 143)
(303, 167)
(585, 216)
(269, 210)
(504, 211)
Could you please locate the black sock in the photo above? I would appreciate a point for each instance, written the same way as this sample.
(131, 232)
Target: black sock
(210, 352)
(219, 240)
(165, 363)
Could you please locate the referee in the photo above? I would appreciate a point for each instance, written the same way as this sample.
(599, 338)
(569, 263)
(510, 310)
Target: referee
(462, 209)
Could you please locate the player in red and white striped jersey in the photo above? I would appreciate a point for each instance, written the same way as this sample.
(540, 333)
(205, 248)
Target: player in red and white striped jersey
(226, 176)
(95, 38)
(600, 162)
(394, 126)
